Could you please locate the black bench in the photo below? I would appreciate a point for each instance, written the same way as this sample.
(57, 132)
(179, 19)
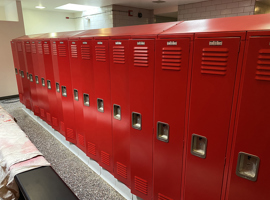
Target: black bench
(43, 184)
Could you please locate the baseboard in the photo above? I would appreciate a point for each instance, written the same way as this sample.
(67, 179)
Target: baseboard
(9, 97)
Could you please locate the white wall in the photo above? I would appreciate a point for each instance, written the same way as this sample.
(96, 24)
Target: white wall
(2, 13)
(9, 31)
(42, 21)
(11, 11)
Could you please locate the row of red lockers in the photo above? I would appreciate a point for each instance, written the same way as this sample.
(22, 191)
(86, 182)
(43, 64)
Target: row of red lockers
(175, 110)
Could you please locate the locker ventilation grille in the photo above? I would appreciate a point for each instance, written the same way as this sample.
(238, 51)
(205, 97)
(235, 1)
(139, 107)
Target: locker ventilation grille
(263, 67)
(42, 112)
(54, 50)
(121, 170)
(48, 117)
(81, 140)
(19, 46)
(171, 58)
(46, 49)
(119, 54)
(141, 185)
(91, 148)
(54, 121)
(40, 49)
(70, 134)
(163, 197)
(141, 56)
(28, 48)
(63, 128)
(34, 49)
(85, 52)
(214, 61)
(74, 52)
(36, 110)
(62, 50)
(105, 158)
(100, 53)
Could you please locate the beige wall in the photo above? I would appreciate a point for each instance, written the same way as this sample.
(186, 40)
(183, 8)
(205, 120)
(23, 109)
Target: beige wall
(9, 31)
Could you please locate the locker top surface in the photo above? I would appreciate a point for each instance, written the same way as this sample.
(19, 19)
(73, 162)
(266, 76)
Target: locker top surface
(228, 24)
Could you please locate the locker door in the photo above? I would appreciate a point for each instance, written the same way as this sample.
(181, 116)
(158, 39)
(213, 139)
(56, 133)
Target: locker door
(212, 88)
(141, 77)
(170, 98)
(77, 76)
(120, 108)
(66, 91)
(101, 63)
(250, 176)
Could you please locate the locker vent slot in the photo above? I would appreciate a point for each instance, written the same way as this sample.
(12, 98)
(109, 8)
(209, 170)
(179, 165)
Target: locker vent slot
(36, 110)
(19, 46)
(62, 50)
(100, 53)
(119, 54)
(63, 128)
(85, 52)
(42, 112)
(163, 197)
(141, 185)
(54, 50)
(91, 148)
(105, 158)
(48, 117)
(54, 121)
(34, 49)
(171, 58)
(46, 49)
(141, 56)
(40, 49)
(74, 52)
(214, 61)
(263, 65)
(28, 48)
(70, 134)
(121, 170)
(81, 139)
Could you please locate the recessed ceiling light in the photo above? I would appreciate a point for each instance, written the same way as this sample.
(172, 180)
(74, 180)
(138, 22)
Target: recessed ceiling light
(158, 1)
(40, 7)
(76, 7)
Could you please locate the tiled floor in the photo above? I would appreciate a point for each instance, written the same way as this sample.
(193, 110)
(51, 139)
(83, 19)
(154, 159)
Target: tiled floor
(84, 182)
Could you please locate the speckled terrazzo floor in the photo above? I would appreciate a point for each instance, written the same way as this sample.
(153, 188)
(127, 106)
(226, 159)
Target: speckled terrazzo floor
(84, 182)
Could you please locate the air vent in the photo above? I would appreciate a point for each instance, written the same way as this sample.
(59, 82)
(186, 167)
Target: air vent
(40, 49)
(214, 61)
(28, 48)
(19, 46)
(91, 148)
(36, 110)
(100, 53)
(62, 50)
(105, 158)
(141, 56)
(74, 52)
(263, 65)
(163, 197)
(171, 58)
(54, 50)
(121, 170)
(48, 117)
(46, 49)
(63, 128)
(141, 185)
(70, 134)
(81, 139)
(119, 54)
(85, 49)
(34, 49)
(42, 112)
(54, 121)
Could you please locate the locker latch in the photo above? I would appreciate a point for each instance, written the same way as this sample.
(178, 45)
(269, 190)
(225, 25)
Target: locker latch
(86, 99)
(36, 77)
(49, 84)
(16, 71)
(22, 74)
(163, 131)
(43, 82)
(117, 112)
(100, 105)
(76, 95)
(136, 121)
(64, 91)
(31, 77)
(198, 145)
(57, 87)
(247, 166)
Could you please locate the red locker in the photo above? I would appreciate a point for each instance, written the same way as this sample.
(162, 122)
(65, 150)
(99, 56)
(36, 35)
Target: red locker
(249, 176)
(17, 69)
(172, 78)
(119, 71)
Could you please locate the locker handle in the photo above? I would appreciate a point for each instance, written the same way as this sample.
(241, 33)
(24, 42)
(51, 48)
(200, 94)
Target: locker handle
(22, 74)
(43, 82)
(247, 166)
(31, 77)
(57, 87)
(86, 101)
(37, 81)
(16, 71)
(100, 105)
(198, 145)
(117, 112)
(136, 120)
(49, 84)
(76, 95)
(64, 91)
(163, 131)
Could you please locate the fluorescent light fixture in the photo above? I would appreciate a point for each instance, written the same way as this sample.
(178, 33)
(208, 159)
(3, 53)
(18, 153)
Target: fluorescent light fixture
(40, 7)
(76, 7)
